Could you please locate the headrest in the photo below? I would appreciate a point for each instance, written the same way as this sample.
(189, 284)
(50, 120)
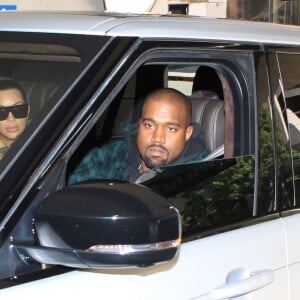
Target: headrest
(43, 80)
(210, 114)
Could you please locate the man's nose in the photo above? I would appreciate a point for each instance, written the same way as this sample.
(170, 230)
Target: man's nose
(159, 135)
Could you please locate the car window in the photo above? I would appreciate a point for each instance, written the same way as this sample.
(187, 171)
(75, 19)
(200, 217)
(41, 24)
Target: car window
(182, 78)
(290, 107)
(209, 195)
(43, 68)
(218, 192)
(47, 67)
(208, 109)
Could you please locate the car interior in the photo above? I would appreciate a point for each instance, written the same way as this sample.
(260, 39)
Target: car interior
(39, 69)
(205, 85)
(208, 107)
(42, 82)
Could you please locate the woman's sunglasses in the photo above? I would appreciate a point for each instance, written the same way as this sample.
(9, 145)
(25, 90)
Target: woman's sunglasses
(19, 111)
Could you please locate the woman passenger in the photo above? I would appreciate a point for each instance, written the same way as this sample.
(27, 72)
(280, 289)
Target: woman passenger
(14, 112)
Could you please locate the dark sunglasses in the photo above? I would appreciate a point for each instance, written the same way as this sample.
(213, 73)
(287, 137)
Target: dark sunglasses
(19, 111)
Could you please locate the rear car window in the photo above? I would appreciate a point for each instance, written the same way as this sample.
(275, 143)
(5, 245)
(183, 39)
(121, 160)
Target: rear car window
(44, 66)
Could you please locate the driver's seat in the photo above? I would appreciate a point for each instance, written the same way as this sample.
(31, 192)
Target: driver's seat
(209, 112)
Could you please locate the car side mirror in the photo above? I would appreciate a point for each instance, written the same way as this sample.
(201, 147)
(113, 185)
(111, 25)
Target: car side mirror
(104, 223)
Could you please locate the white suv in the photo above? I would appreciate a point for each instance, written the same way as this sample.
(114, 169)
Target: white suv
(225, 227)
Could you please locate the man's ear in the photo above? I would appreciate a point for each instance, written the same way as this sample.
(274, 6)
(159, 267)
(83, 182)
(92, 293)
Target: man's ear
(188, 132)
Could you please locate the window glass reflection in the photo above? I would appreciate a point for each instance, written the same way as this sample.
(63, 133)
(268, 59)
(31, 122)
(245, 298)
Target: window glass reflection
(209, 194)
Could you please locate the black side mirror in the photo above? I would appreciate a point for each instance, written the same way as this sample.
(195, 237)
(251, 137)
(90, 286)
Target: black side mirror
(101, 224)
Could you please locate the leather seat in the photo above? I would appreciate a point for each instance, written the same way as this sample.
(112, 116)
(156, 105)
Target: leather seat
(41, 80)
(209, 112)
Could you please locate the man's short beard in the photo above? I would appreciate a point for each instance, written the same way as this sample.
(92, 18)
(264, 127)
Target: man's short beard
(158, 164)
(155, 163)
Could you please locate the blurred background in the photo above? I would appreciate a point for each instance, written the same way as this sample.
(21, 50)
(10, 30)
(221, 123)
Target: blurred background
(277, 11)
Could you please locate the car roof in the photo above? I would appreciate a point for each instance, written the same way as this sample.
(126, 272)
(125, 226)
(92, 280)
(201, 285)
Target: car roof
(151, 26)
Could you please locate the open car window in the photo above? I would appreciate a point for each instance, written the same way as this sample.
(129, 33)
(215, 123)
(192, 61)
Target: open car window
(217, 191)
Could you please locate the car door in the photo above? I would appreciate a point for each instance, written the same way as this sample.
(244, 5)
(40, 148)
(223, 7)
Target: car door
(229, 208)
(233, 238)
(285, 79)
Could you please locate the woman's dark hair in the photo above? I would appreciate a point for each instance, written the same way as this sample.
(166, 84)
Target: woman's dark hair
(7, 84)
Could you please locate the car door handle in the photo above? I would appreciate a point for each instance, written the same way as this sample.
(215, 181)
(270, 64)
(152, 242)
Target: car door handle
(255, 281)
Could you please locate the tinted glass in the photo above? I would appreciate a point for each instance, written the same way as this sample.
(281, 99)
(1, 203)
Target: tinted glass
(43, 67)
(266, 196)
(209, 195)
(291, 110)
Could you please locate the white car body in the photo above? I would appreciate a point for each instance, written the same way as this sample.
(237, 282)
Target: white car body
(259, 261)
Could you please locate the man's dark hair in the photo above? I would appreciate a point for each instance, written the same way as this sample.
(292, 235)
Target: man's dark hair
(7, 84)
